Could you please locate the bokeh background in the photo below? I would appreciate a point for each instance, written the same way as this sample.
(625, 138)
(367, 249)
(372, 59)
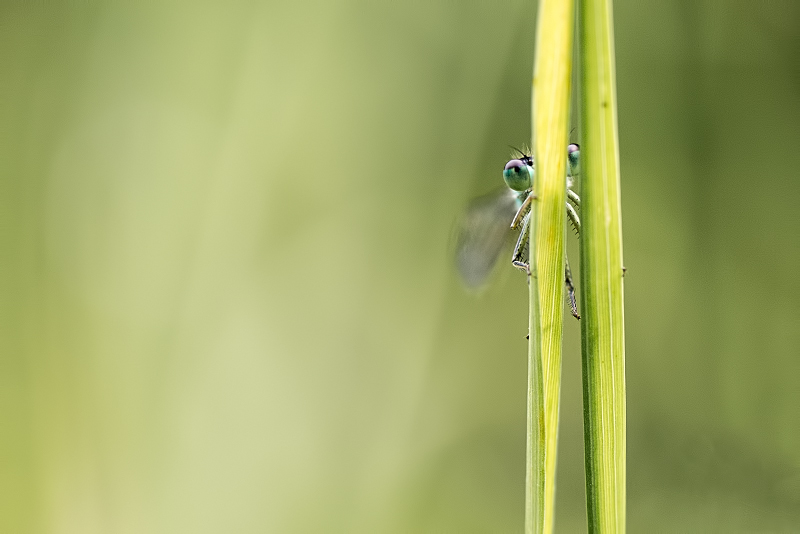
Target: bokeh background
(227, 299)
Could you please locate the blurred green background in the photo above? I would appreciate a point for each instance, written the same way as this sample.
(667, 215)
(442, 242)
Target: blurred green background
(227, 300)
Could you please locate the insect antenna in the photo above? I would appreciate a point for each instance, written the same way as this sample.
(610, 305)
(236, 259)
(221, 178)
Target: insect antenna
(518, 151)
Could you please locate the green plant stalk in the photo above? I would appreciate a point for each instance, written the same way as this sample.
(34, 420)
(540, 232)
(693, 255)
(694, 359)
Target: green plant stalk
(602, 326)
(535, 450)
(552, 77)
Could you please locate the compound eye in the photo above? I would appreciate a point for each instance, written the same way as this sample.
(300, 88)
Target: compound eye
(574, 158)
(518, 175)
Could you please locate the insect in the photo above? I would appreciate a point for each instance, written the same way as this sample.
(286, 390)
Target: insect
(488, 219)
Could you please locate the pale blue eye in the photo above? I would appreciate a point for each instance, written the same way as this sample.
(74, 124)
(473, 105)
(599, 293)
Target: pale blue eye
(518, 175)
(574, 158)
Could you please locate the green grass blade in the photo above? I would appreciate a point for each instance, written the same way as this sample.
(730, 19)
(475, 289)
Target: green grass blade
(551, 96)
(602, 327)
(535, 450)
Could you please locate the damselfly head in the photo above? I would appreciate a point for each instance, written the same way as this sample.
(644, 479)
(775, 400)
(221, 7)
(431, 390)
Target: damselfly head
(518, 175)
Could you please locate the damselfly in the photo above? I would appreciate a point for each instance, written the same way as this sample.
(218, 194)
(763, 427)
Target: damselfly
(488, 219)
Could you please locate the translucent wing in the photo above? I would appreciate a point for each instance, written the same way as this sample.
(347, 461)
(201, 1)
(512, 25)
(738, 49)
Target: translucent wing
(482, 234)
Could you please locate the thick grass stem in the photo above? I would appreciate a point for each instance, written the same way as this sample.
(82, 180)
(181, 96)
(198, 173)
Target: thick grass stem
(550, 115)
(602, 327)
